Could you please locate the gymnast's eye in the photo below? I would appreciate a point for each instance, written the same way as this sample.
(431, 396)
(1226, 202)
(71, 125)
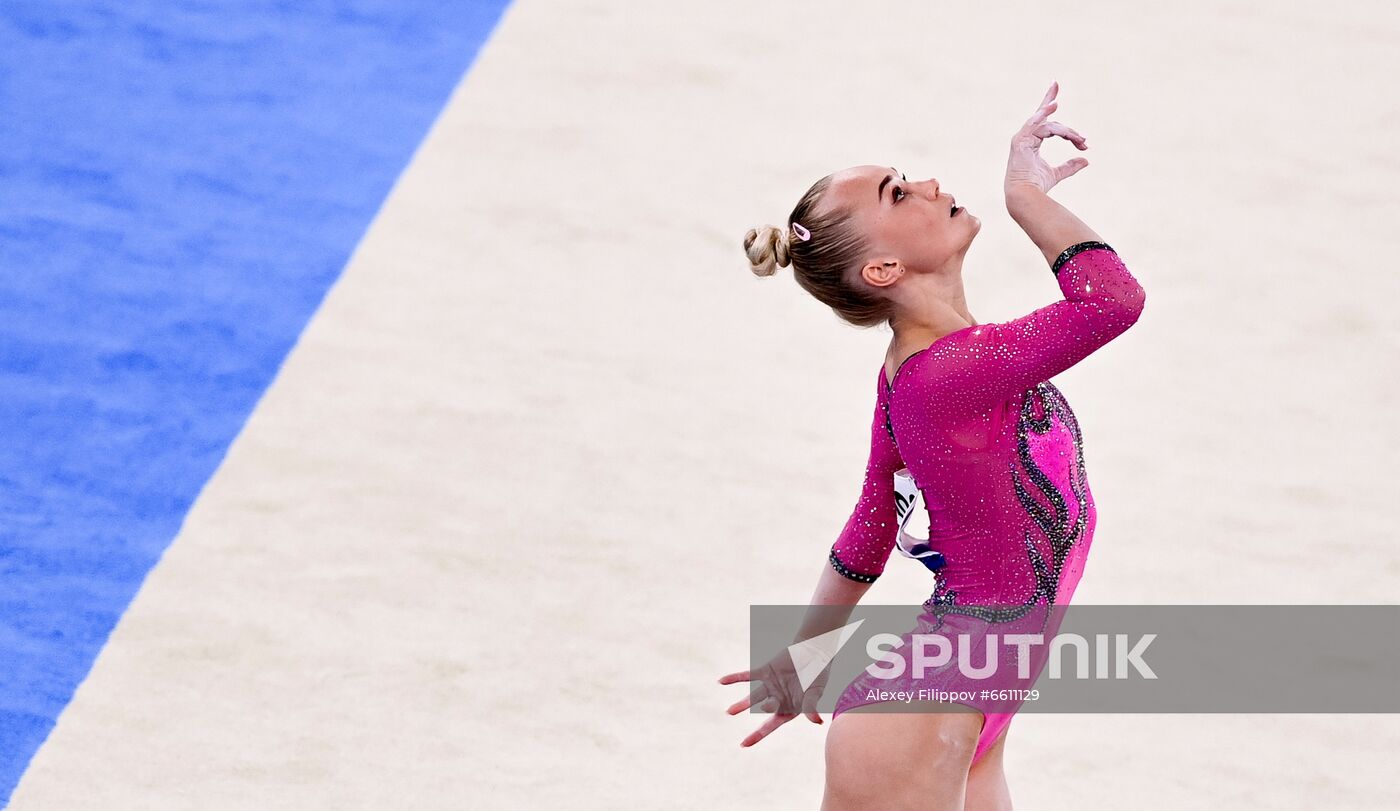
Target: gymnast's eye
(897, 194)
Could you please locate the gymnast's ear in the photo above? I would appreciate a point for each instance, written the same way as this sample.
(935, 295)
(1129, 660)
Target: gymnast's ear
(882, 272)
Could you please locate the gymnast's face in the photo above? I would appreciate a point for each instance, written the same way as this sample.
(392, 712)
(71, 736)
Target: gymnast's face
(911, 225)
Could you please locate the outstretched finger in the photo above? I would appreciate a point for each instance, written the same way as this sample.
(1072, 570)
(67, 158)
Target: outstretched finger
(1040, 115)
(730, 678)
(758, 696)
(1050, 94)
(1068, 133)
(809, 706)
(768, 726)
(1069, 167)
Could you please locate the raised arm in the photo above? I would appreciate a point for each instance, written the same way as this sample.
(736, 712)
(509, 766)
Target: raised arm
(865, 543)
(985, 364)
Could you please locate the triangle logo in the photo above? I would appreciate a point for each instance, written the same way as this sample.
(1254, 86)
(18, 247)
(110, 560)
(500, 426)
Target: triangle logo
(811, 656)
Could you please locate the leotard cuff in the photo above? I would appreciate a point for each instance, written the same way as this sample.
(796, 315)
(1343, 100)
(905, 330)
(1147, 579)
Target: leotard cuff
(1070, 252)
(849, 573)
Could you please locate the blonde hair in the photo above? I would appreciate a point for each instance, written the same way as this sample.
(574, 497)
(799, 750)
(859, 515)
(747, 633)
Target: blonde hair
(767, 248)
(821, 265)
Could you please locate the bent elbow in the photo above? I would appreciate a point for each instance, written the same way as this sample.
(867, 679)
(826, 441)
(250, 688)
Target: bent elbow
(1134, 300)
(1124, 306)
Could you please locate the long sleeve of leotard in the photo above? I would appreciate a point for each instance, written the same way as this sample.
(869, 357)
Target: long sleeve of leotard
(865, 543)
(982, 365)
(994, 361)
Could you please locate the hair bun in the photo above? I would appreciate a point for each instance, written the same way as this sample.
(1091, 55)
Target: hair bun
(767, 249)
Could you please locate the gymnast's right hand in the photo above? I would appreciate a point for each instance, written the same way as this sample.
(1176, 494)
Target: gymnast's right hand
(1025, 168)
(775, 688)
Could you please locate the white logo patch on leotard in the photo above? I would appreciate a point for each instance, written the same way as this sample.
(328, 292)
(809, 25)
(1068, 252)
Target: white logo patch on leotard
(913, 536)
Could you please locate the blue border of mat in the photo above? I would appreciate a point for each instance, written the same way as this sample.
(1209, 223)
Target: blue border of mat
(180, 183)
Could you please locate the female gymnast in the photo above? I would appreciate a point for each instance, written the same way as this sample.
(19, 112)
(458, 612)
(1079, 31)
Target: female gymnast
(969, 410)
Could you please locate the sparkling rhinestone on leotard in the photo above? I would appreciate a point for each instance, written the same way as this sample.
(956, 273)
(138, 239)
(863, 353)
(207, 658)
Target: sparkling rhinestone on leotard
(997, 453)
(963, 414)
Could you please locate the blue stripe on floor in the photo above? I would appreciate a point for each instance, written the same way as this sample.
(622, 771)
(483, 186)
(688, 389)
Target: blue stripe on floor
(180, 183)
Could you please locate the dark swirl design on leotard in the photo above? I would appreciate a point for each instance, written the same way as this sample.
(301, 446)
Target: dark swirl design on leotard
(1050, 513)
(985, 461)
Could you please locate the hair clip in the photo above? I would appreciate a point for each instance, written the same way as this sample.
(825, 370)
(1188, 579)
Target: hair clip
(802, 233)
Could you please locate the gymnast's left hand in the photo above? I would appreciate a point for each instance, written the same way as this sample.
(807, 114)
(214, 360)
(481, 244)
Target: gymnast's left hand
(777, 690)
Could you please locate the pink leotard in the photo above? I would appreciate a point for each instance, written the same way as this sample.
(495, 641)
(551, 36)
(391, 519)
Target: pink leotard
(996, 452)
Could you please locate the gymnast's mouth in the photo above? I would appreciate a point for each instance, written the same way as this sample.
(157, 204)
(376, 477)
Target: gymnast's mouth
(954, 211)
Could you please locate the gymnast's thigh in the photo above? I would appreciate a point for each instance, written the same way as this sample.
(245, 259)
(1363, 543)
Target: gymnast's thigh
(899, 754)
